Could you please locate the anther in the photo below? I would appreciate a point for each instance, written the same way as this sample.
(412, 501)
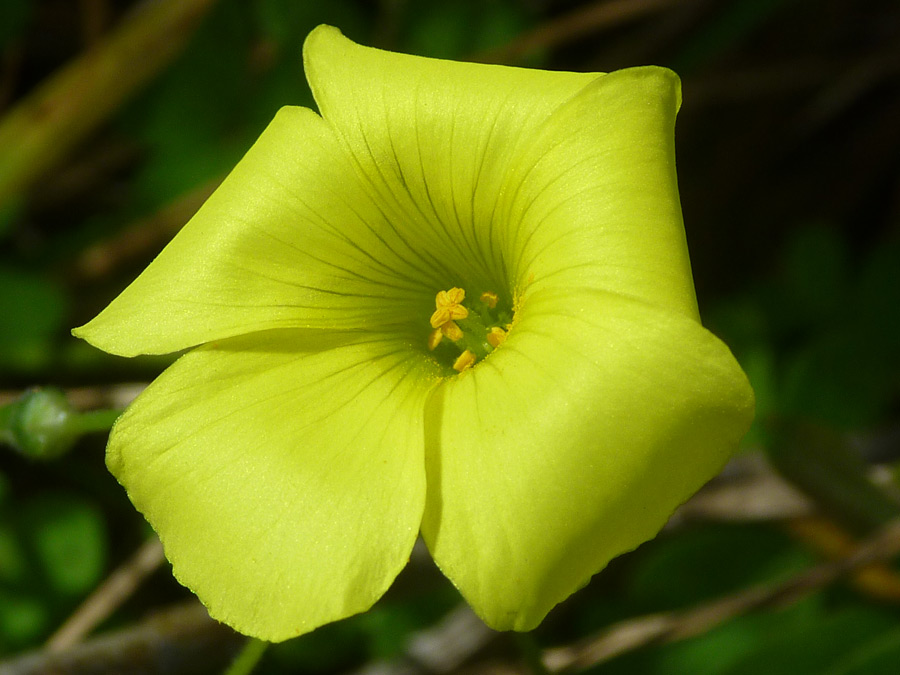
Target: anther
(448, 306)
(496, 337)
(452, 331)
(465, 360)
(454, 296)
(434, 339)
(490, 299)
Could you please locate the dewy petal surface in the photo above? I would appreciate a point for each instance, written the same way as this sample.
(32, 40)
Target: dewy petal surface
(432, 140)
(290, 239)
(283, 472)
(571, 444)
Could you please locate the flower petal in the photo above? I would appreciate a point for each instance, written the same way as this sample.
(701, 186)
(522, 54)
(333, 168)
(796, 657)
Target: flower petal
(593, 199)
(290, 239)
(432, 139)
(283, 472)
(571, 444)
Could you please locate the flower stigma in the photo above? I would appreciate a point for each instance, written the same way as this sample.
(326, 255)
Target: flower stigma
(473, 334)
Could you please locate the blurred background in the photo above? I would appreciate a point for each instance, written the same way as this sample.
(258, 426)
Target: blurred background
(118, 118)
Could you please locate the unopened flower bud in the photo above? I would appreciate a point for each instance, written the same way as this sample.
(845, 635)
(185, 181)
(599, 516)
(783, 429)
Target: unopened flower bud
(39, 424)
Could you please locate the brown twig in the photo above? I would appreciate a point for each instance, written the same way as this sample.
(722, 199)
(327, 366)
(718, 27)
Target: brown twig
(179, 640)
(107, 597)
(747, 490)
(439, 649)
(41, 129)
(584, 21)
(828, 538)
(115, 396)
(143, 237)
(671, 626)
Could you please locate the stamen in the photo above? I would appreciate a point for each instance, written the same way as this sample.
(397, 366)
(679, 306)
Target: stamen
(490, 299)
(434, 339)
(449, 307)
(452, 331)
(454, 296)
(496, 337)
(479, 331)
(465, 360)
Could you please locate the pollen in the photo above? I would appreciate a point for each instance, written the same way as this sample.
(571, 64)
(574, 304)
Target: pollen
(465, 360)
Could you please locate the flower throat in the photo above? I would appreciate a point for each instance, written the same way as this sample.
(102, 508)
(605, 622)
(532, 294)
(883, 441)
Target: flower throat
(472, 332)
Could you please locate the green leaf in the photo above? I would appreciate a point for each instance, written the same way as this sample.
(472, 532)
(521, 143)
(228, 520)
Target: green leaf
(455, 28)
(288, 22)
(816, 276)
(879, 655)
(31, 313)
(189, 119)
(841, 377)
(721, 649)
(68, 537)
(13, 562)
(816, 646)
(709, 561)
(23, 618)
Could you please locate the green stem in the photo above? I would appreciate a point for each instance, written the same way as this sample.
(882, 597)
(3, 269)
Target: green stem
(95, 420)
(248, 659)
(530, 652)
(42, 424)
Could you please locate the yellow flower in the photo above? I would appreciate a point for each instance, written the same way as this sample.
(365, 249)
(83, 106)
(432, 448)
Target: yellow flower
(291, 458)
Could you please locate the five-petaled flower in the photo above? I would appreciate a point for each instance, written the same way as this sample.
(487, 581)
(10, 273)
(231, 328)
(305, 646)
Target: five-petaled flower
(569, 401)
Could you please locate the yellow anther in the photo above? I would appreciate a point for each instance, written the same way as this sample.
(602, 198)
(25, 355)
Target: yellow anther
(465, 360)
(434, 339)
(496, 337)
(452, 331)
(454, 296)
(490, 299)
(448, 307)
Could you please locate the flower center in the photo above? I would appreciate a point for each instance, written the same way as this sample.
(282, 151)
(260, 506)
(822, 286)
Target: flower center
(471, 335)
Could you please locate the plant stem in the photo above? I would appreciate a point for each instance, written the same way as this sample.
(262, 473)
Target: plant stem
(96, 420)
(530, 653)
(248, 658)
